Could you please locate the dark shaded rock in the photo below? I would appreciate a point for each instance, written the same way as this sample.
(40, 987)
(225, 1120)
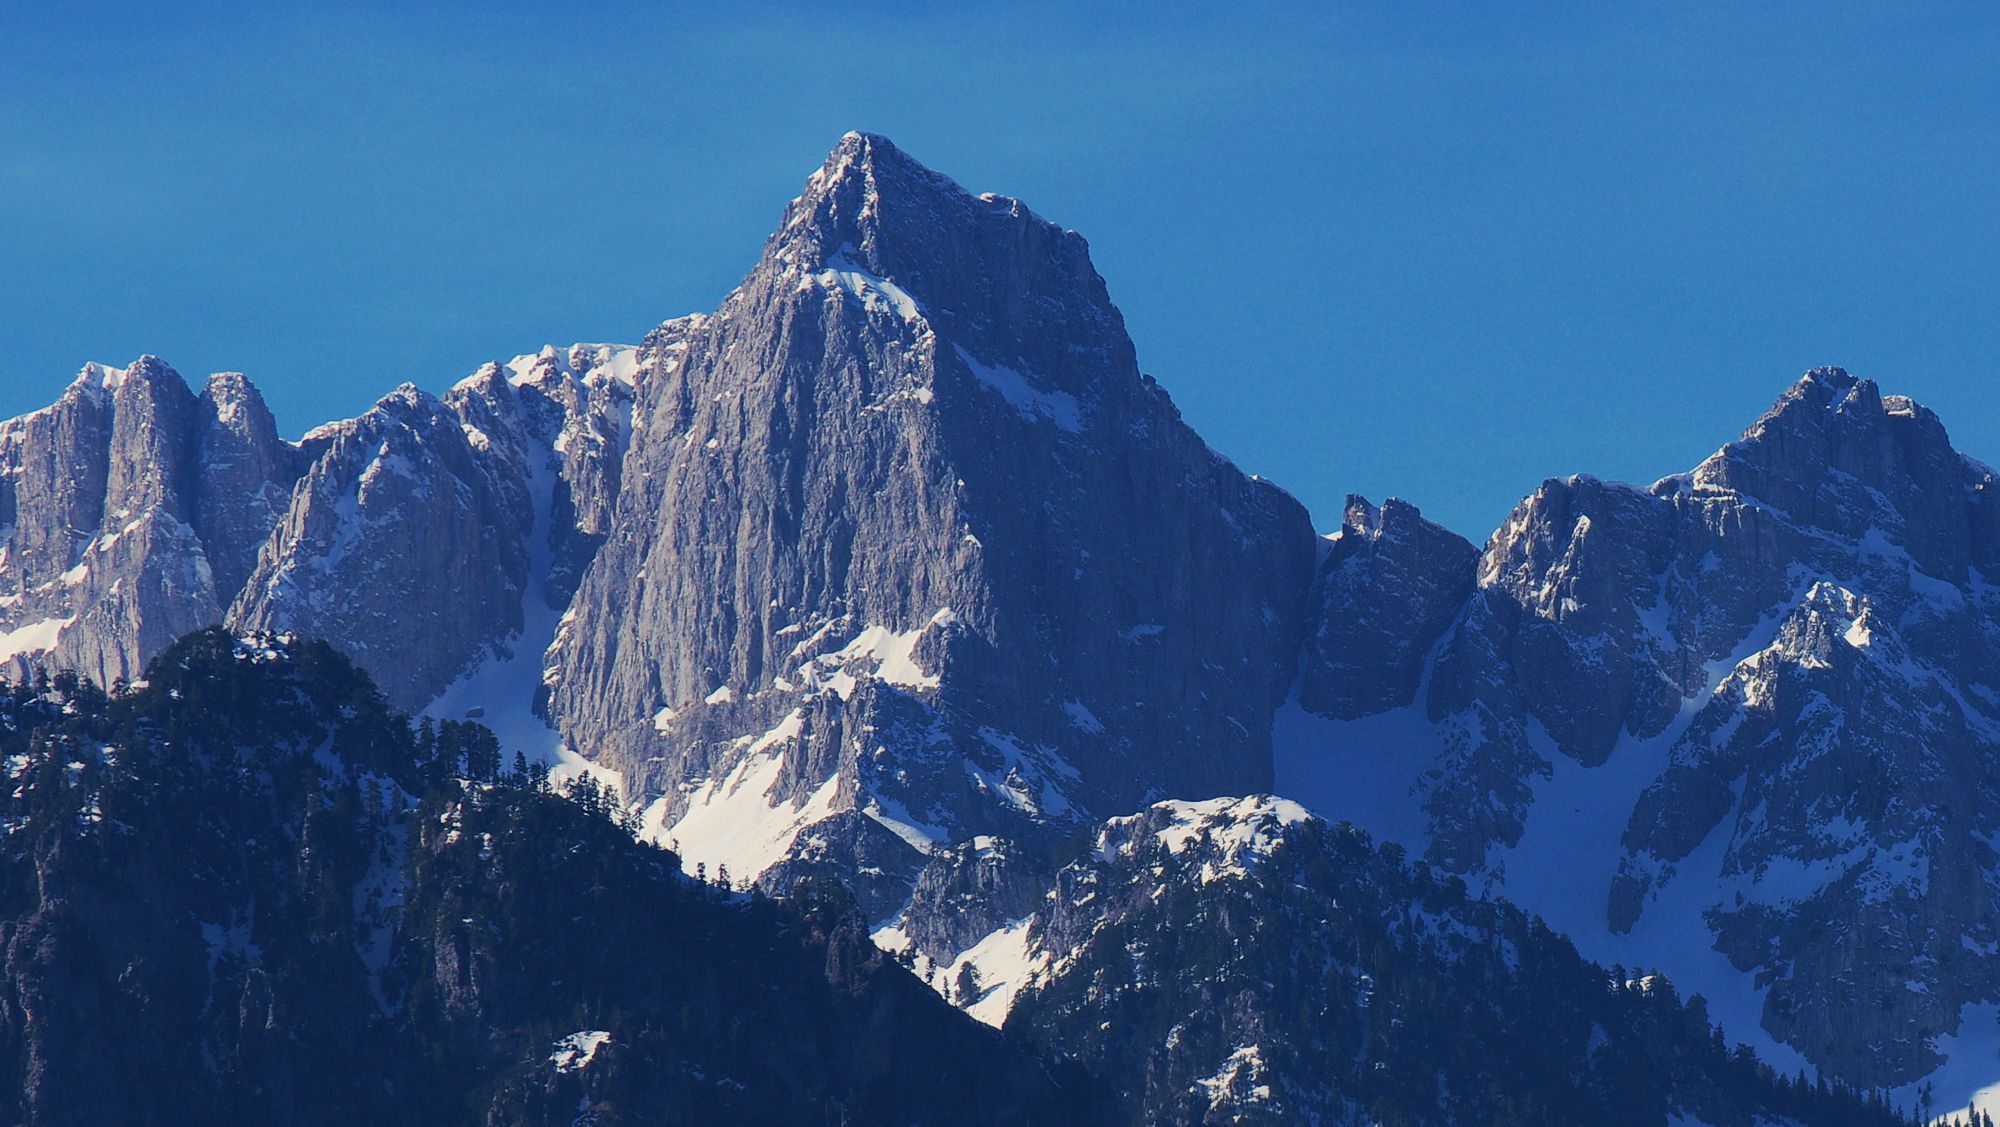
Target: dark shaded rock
(1390, 585)
(249, 893)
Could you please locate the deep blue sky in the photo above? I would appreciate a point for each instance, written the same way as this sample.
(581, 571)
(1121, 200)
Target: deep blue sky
(1431, 252)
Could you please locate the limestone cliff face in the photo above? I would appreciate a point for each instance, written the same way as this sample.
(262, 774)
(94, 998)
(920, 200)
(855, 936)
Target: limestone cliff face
(553, 429)
(399, 542)
(427, 533)
(129, 507)
(245, 474)
(904, 530)
(1391, 583)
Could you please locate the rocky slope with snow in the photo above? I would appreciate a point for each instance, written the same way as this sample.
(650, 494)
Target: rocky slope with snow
(431, 536)
(1749, 712)
(1239, 961)
(250, 893)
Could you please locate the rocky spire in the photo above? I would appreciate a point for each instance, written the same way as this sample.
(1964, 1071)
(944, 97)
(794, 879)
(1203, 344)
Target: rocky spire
(243, 478)
(134, 512)
(907, 534)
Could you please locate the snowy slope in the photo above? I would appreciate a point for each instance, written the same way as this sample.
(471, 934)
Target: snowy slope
(1735, 728)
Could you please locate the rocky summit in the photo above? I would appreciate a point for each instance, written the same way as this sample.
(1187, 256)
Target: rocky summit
(1748, 711)
(130, 506)
(911, 551)
(895, 590)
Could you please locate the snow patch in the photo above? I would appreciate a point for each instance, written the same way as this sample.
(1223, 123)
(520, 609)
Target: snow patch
(1971, 1073)
(1241, 830)
(872, 290)
(35, 637)
(1058, 407)
(892, 653)
(1237, 1080)
(733, 821)
(1002, 963)
(1083, 718)
(578, 1049)
(1025, 780)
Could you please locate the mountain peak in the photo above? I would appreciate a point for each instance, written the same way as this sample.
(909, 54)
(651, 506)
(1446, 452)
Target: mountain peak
(231, 387)
(99, 376)
(1831, 376)
(862, 156)
(148, 370)
(236, 401)
(1830, 420)
(985, 272)
(866, 184)
(408, 396)
(1823, 389)
(871, 202)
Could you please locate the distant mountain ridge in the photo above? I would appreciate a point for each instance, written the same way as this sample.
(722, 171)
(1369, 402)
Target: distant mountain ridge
(1750, 709)
(415, 533)
(897, 570)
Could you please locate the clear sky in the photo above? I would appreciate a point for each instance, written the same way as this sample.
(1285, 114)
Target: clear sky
(1438, 252)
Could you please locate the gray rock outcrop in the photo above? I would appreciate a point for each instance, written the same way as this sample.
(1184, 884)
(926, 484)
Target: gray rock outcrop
(400, 543)
(1391, 583)
(128, 507)
(430, 535)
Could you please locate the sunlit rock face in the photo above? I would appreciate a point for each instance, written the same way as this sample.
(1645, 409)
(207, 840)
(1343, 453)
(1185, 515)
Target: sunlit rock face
(429, 535)
(129, 509)
(905, 532)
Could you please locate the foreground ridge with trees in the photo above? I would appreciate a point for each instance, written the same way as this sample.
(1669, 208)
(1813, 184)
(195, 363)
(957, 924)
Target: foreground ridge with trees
(244, 889)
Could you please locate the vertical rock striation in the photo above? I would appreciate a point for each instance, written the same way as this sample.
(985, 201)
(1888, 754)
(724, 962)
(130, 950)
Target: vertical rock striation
(907, 533)
(128, 508)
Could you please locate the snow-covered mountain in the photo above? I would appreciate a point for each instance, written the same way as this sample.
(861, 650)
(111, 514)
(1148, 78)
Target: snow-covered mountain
(1739, 725)
(897, 570)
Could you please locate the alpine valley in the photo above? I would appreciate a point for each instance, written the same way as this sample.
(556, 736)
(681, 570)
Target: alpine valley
(870, 703)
